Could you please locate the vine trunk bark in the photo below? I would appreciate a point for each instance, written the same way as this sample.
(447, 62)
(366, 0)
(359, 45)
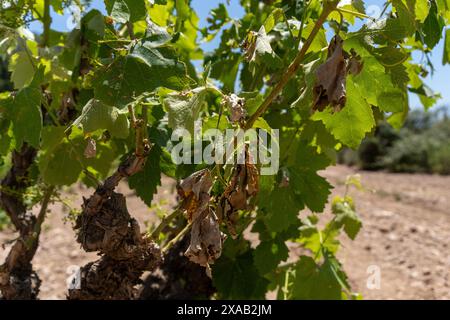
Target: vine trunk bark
(18, 280)
(177, 277)
(106, 226)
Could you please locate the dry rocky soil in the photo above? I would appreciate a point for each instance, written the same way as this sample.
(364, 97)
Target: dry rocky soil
(405, 235)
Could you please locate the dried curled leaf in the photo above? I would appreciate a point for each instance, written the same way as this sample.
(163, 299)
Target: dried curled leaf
(284, 182)
(194, 191)
(331, 76)
(91, 148)
(355, 64)
(235, 106)
(244, 184)
(249, 46)
(206, 239)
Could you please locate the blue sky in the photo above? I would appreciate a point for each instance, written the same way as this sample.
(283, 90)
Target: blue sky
(438, 81)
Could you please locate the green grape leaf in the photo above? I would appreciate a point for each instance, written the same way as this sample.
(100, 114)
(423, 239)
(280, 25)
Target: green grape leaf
(389, 56)
(96, 116)
(305, 100)
(393, 59)
(126, 10)
(144, 70)
(399, 76)
(378, 88)
(155, 35)
(183, 9)
(273, 18)
(432, 27)
(421, 9)
(268, 255)
(346, 216)
(282, 206)
(215, 121)
(184, 108)
(61, 162)
(300, 185)
(226, 70)
(398, 119)
(146, 181)
(5, 132)
(318, 282)
(313, 239)
(303, 166)
(313, 188)
(351, 124)
(26, 116)
(427, 96)
(57, 163)
(167, 166)
(404, 24)
(119, 11)
(101, 164)
(238, 278)
(261, 124)
(93, 26)
(319, 41)
(219, 17)
(22, 69)
(444, 8)
(60, 167)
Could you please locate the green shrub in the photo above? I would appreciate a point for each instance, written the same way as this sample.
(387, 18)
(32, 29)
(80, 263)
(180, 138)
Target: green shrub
(422, 146)
(409, 154)
(440, 159)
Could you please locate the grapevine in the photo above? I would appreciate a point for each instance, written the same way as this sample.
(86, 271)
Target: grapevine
(112, 102)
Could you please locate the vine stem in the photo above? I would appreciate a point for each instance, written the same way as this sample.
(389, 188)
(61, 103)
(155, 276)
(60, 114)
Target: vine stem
(131, 30)
(41, 216)
(140, 127)
(115, 40)
(46, 20)
(293, 67)
(176, 238)
(305, 7)
(164, 222)
(324, 239)
(286, 286)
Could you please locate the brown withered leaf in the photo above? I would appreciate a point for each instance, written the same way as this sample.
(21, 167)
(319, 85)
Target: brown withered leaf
(206, 239)
(194, 192)
(330, 84)
(235, 106)
(330, 87)
(249, 45)
(198, 182)
(355, 64)
(284, 182)
(91, 149)
(252, 179)
(244, 184)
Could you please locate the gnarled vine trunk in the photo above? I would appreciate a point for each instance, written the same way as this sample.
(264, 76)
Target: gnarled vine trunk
(106, 226)
(177, 277)
(17, 278)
